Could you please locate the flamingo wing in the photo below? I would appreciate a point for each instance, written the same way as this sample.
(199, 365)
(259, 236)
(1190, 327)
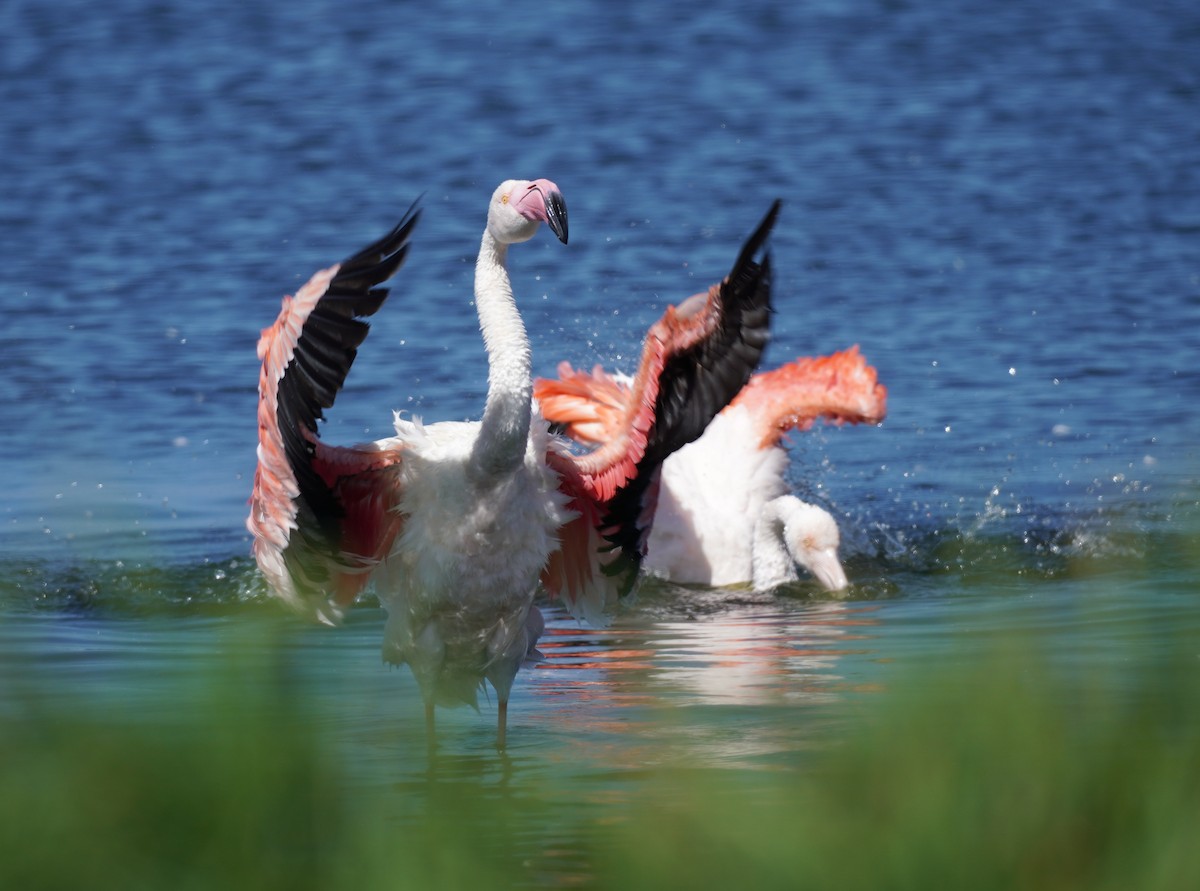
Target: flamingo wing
(586, 572)
(840, 388)
(694, 360)
(588, 406)
(322, 516)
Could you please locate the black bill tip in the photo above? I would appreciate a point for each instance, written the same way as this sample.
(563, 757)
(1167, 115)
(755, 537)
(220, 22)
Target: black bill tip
(556, 215)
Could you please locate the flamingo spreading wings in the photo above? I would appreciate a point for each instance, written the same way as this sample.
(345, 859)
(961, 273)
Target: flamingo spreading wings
(455, 523)
(724, 513)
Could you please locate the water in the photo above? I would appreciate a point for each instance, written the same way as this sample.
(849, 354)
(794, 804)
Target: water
(1000, 205)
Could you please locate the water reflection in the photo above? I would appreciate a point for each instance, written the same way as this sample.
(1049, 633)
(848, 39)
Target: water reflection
(682, 680)
(713, 674)
(750, 653)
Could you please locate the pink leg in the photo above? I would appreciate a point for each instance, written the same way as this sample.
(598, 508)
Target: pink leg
(501, 724)
(430, 727)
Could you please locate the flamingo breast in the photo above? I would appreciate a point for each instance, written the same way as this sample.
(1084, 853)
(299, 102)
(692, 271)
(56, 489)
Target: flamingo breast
(457, 584)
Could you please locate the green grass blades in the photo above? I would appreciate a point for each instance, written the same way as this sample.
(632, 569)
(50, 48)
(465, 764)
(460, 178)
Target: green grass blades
(999, 777)
(1005, 773)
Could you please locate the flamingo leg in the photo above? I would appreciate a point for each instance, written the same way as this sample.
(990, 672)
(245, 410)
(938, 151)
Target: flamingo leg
(430, 726)
(501, 724)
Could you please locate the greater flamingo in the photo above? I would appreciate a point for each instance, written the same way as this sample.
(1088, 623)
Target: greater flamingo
(455, 523)
(724, 515)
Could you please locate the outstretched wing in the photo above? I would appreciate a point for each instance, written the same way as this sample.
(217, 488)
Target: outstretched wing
(840, 388)
(695, 359)
(322, 515)
(590, 407)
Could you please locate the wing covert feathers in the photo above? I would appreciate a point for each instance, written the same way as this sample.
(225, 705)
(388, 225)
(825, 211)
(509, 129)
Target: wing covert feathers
(316, 531)
(694, 360)
(840, 388)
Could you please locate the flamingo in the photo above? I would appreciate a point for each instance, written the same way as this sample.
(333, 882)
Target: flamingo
(455, 523)
(724, 514)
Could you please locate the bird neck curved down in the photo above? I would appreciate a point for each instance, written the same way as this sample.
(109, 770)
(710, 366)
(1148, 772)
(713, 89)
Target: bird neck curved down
(773, 563)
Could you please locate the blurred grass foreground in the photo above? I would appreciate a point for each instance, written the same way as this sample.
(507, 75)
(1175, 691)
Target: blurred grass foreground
(1000, 777)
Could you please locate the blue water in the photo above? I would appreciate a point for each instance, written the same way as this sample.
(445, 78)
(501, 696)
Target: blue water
(1000, 203)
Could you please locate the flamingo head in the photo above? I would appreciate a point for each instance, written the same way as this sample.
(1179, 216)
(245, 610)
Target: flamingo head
(520, 205)
(813, 539)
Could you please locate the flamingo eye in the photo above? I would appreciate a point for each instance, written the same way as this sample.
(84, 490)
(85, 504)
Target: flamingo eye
(504, 199)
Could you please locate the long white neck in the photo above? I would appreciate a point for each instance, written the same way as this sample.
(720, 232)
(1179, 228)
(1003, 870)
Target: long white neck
(773, 564)
(504, 432)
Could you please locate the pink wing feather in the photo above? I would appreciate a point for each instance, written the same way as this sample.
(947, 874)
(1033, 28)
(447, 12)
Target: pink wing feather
(840, 388)
(322, 516)
(695, 359)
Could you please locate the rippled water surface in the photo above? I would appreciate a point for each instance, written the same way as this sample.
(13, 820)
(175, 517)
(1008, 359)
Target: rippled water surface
(1000, 205)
